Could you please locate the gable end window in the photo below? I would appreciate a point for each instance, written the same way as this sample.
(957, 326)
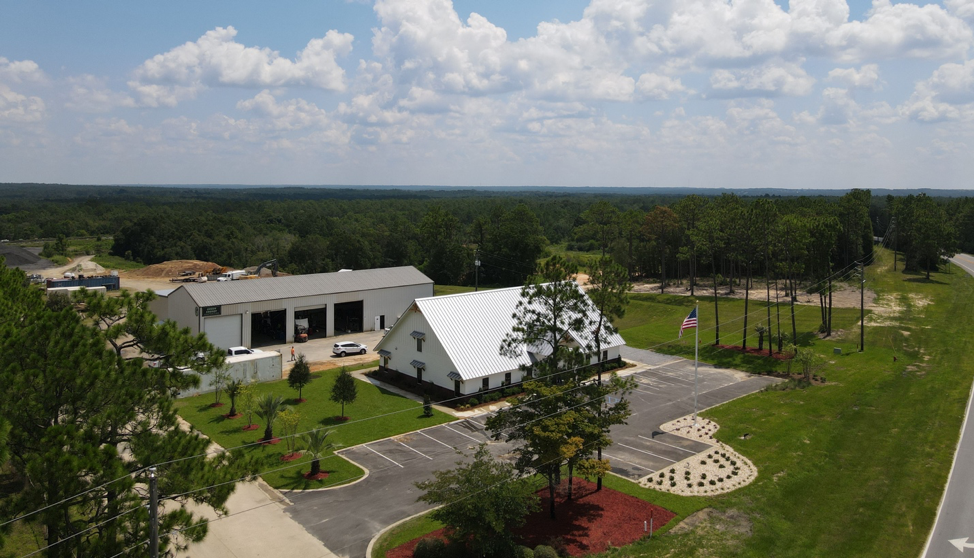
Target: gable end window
(419, 345)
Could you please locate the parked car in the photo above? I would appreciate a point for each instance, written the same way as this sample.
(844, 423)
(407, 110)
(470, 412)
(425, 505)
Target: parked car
(234, 351)
(348, 347)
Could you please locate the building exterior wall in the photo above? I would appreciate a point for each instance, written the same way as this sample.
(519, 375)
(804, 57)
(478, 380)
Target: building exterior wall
(260, 367)
(388, 302)
(160, 307)
(402, 345)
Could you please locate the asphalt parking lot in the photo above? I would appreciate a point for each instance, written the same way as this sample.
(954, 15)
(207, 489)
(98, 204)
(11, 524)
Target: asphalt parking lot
(345, 519)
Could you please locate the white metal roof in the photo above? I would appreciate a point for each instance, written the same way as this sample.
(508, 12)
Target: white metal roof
(472, 326)
(294, 286)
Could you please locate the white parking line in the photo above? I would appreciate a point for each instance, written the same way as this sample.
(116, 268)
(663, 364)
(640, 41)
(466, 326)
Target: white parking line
(382, 456)
(417, 451)
(647, 452)
(665, 444)
(629, 463)
(435, 440)
(461, 433)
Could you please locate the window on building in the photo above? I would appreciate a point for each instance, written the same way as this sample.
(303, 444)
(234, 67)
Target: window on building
(419, 345)
(486, 384)
(419, 375)
(605, 356)
(507, 378)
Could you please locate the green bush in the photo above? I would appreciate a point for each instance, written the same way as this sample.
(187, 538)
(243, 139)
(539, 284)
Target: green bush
(544, 551)
(523, 552)
(430, 548)
(473, 402)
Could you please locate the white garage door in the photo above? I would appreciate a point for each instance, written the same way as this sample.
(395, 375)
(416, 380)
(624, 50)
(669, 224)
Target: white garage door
(223, 331)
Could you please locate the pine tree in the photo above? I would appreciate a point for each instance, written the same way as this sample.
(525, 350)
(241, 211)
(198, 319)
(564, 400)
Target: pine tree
(300, 376)
(72, 402)
(344, 391)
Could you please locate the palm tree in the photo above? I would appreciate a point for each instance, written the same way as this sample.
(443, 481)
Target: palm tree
(317, 444)
(233, 391)
(267, 408)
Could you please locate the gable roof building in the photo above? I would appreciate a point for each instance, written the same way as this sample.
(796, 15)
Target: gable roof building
(454, 341)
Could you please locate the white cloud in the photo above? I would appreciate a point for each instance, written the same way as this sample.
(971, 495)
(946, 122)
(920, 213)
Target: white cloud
(838, 107)
(216, 59)
(659, 88)
(20, 71)
(947, 95)
(769, 80)
(290, 115)
(19, 109)
(866, 77)
(901, 30)
(87, 93)
(961, 8)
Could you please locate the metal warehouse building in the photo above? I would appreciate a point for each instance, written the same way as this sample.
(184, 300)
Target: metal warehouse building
(263, 311)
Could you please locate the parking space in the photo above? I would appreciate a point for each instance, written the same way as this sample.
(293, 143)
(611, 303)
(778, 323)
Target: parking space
(346, 519)
(418, 448)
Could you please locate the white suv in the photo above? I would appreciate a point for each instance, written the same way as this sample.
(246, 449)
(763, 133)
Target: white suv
(348, 347)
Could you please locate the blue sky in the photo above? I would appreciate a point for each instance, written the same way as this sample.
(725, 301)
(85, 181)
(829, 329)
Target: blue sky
(698, 93)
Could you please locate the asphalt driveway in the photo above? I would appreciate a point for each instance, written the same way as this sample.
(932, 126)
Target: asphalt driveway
(345, 519)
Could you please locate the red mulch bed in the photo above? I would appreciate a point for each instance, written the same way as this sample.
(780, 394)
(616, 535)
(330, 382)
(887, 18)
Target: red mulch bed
(271, 442)
(341, 419)
(291, 456)
(231, 417)
(755, 352)
(251, 427)
(301, 400)
(214, 405)
(321, 476)
(588, 524)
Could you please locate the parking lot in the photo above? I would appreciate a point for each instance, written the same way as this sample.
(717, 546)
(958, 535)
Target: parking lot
(347, 518)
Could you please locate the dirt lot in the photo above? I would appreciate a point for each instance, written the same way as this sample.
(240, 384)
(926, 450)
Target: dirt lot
(845, 296)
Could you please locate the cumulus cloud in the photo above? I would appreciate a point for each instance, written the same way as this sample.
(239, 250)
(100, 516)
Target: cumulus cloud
(769, 80)
(866, 77)
(88, 93)
(20, 71)
(19, 109)
(961, 8)
(659, 88)
(216, 59)
(947, 95)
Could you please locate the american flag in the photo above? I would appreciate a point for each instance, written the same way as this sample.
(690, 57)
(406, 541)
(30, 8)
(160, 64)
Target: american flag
(689, 322)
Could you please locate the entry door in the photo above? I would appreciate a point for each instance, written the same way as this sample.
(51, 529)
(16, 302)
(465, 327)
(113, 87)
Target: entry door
(380, 322)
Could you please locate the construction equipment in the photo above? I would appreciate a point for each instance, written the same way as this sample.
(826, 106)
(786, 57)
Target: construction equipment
(269, 264)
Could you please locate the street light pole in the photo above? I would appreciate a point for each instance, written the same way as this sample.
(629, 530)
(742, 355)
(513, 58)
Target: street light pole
(476, 268)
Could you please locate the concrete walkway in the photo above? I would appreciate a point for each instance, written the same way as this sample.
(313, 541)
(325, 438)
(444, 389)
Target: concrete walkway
(256, 527)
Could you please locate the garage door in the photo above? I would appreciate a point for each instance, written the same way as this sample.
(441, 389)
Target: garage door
(223, 331)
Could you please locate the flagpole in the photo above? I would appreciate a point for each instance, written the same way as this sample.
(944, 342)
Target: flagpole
(696, 360)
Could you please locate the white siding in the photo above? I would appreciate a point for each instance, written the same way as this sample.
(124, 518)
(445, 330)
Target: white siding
(183, 310)
(402, 345)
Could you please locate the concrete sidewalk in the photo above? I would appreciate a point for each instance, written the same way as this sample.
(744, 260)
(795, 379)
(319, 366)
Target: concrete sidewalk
(256, 527)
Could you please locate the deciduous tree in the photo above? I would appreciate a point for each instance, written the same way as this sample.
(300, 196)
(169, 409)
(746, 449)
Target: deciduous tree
(344, 390)
(299, 376)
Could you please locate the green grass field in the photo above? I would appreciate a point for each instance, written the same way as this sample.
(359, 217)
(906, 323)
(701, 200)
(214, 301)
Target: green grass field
(852, 468)
(115, 262)
(375, 414)
(653, 322)
(855, 467)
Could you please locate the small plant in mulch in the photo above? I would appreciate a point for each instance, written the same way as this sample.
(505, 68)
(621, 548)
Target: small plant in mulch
(703, 462)
(248, 404)
(289, 419)
(316, 442)
(713, 482)
(699, 483)
(290, 456)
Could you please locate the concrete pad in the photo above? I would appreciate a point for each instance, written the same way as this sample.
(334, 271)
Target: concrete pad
(256, 527)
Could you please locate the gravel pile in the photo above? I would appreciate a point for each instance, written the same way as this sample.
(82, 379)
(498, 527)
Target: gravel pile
(15, 256)
(715, 471)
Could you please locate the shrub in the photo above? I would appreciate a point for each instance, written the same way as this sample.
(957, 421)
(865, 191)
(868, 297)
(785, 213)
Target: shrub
(710, 456)
(689, 485)
(733, 462)
(703, 462)
(430, 548)
(672, 471)
(720, 479)
(721, 466)
(545, 551)
(713, 482)
(699, 483)
(660, 482)
(662, 475)
(672, 483)
(523, 552)
(473, 402)
(734, 473)
(703, 476)
(671, 477)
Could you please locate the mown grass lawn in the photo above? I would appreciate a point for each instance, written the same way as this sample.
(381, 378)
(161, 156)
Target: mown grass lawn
(653, 322)
(375, 414)
(856, 467)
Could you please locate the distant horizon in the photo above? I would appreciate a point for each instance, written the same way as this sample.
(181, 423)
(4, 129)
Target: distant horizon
(615, 190)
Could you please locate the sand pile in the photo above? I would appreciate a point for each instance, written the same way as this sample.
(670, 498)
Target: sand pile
(172, 269)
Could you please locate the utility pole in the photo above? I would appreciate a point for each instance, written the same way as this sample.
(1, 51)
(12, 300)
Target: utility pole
(476, 270)
(862, 306)
(153, 514)
(894, 243)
